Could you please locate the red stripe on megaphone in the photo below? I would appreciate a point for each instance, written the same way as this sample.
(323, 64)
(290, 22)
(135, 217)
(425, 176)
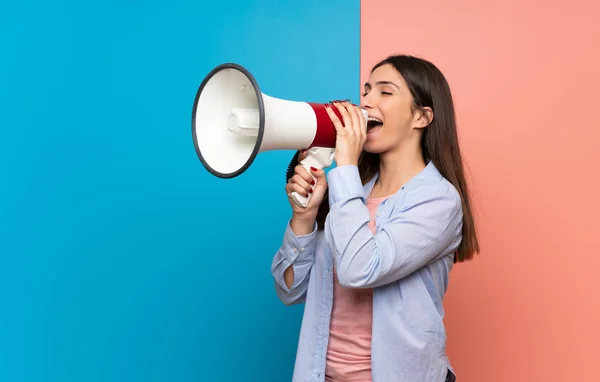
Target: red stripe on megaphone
(325, 135)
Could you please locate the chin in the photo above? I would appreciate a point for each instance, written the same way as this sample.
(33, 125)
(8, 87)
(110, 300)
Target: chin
(374, 147)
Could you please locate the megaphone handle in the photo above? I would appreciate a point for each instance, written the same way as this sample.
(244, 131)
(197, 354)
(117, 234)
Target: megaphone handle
(319, 158)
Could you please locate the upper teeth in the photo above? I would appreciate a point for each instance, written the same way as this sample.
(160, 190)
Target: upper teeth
(373, 119)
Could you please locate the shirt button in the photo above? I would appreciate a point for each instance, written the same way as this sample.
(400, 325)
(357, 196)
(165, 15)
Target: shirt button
(302, 249)
(294, 250)
(378, 213)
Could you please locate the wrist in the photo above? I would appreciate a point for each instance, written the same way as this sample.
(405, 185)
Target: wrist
(302, 225)
(346, 161)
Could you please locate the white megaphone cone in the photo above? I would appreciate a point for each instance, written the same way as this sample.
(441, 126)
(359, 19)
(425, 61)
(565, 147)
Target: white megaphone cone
(232, 121)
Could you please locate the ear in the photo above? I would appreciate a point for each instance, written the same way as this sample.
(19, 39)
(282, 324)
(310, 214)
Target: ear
(423, 117)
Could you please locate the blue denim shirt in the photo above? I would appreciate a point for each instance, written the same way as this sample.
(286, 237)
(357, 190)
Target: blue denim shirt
(406, 262)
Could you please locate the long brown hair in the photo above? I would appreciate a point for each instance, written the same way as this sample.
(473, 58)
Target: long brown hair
(439, 141)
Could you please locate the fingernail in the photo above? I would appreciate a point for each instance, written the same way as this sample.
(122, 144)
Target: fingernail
(312, 182)
(303, 151)
(306, 195)
(310, 191)
(313, 169)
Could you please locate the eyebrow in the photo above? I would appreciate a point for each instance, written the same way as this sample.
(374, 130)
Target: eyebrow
(382, 83)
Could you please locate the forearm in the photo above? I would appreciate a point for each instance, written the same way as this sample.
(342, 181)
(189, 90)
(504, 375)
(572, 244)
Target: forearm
(293, 261)
(424, 226)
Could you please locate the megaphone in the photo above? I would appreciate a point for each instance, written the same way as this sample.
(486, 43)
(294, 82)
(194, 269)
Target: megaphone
(233, 121)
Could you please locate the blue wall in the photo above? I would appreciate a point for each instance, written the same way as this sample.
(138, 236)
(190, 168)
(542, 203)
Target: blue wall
(122, 259)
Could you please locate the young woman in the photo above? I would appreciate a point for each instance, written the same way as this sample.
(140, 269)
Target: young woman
(371, 254)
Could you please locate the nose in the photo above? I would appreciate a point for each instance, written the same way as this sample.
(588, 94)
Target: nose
(366, 102)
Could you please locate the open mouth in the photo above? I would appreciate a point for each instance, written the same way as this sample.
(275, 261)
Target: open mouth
(373, 124)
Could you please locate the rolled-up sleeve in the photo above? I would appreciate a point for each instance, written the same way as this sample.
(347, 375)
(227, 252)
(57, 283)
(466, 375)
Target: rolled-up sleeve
(298, 252)
(425, 226)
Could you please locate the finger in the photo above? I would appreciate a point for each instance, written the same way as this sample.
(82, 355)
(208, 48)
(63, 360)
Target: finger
(319, 174)
(301, 171)
(334, 118)
(303, 154)
(297, 179)
(359, 120)
(362, 122)
(294, 187)
(352, 111)
(345, 115)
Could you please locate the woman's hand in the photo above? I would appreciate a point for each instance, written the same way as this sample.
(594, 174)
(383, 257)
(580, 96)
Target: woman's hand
(351, 135)
(303, 183)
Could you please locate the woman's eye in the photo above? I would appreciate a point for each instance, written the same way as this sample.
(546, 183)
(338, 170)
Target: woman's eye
(382, 93)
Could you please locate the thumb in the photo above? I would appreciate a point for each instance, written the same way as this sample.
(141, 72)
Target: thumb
(321, 186)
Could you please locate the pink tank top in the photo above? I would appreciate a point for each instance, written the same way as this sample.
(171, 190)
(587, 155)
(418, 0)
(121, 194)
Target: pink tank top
(349, 347)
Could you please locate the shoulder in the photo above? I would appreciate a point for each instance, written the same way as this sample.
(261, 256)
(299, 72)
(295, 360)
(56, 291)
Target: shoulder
(432, 188)
(434, 197)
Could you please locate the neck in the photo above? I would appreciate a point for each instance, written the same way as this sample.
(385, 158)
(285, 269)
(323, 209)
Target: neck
(397, 167)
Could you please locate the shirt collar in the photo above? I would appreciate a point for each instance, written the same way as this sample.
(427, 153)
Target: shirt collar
(429, 173)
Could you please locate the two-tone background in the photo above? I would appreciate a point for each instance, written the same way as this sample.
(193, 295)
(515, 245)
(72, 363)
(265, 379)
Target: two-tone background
(122, 259)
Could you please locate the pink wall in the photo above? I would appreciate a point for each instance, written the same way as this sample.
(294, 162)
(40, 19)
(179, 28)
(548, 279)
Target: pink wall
(527, 89)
